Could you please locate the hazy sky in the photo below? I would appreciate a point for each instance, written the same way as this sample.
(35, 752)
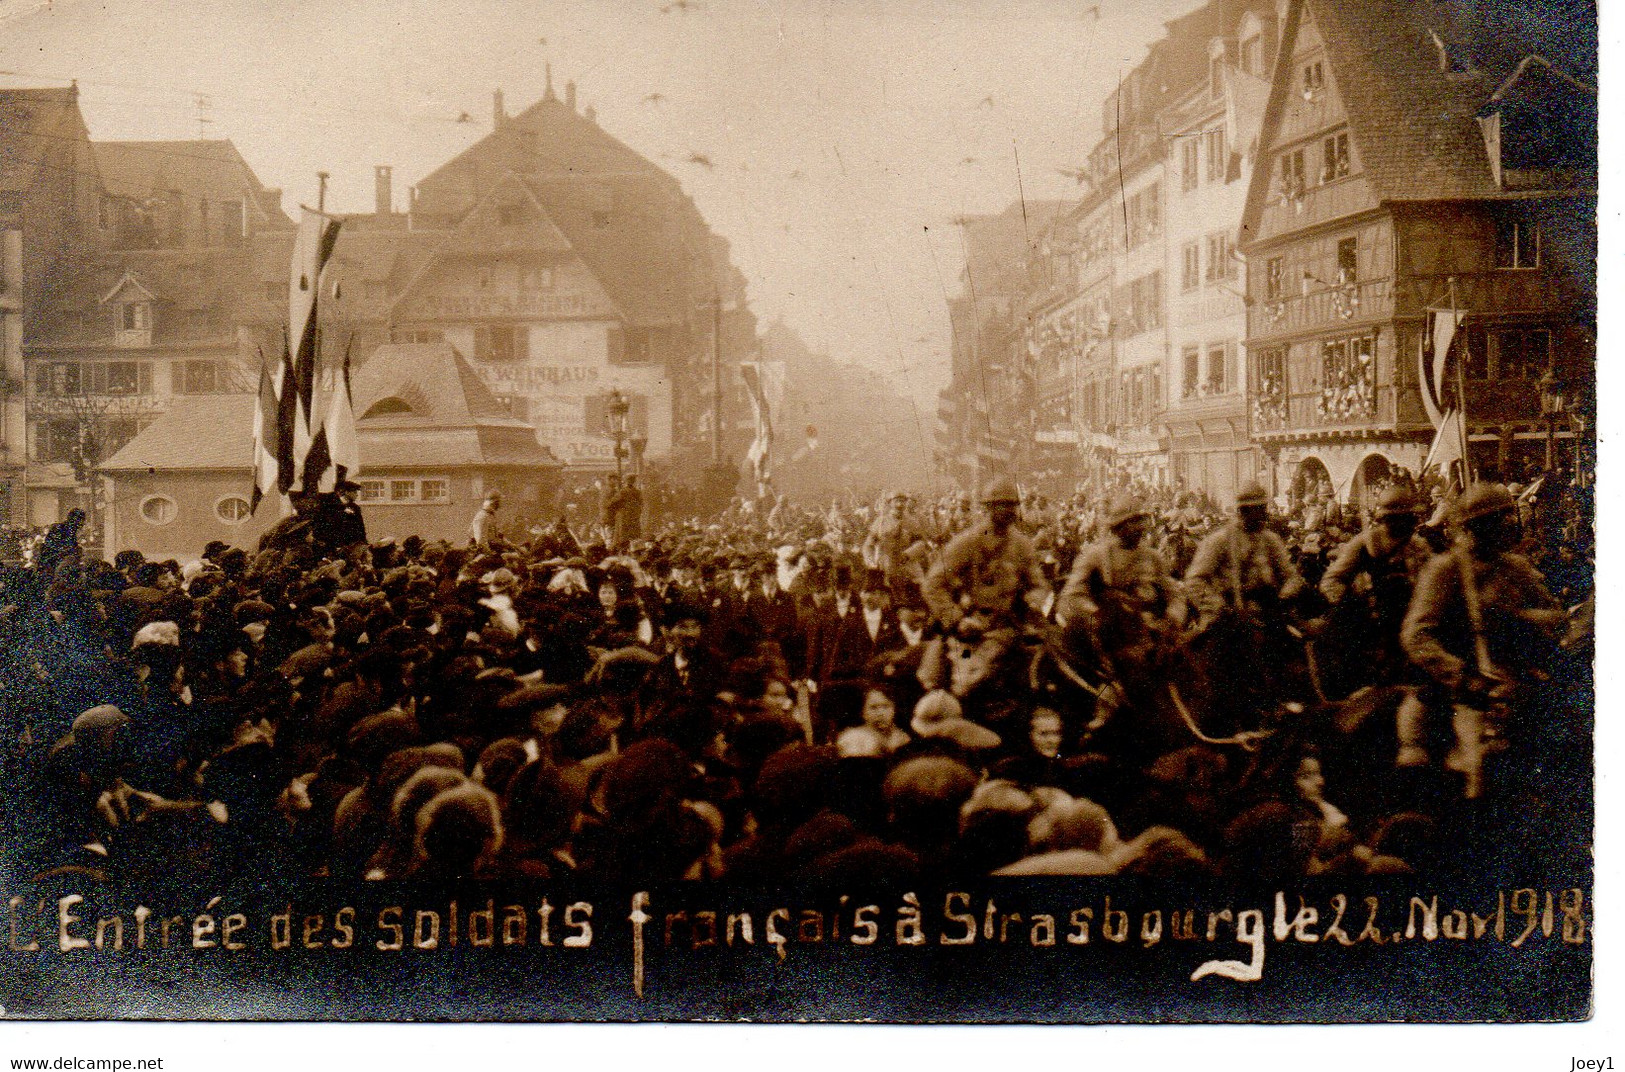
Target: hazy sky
(844, 135)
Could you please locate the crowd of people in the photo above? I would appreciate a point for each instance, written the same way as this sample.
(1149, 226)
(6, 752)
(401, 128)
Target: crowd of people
(798, 694)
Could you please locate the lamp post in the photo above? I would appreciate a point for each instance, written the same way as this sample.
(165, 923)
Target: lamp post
(1553, 404)
(619, 407)
(639, 443)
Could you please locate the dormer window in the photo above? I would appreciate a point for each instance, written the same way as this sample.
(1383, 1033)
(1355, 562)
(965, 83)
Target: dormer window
(135, 324)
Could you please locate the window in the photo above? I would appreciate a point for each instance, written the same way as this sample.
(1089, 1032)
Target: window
(1348, 384)
(1334, 157)
(398, 491)
(158, 509)
(1192, 372)
(1218, 158)
(1269, 401)
(1348, 260)
(1517, 244)
(135, 316)
(501, 343)
(1218, 361)
(1144, 217)
(1292, 175)
(1145, 303)
(1314, 80)
(231, 509)
(123, 377)
(116, 432)
(1274, 272)
(1472, 349)
(1215, 76)
(57, 440)
(1522, 353)
(200, 378)
(1190, 276)
(1252, 54)
(1190, 150)
(1220, 264)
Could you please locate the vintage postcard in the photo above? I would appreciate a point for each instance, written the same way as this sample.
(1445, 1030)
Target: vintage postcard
(925, 511)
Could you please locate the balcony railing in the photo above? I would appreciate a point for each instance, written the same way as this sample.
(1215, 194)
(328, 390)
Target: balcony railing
(1327, 306)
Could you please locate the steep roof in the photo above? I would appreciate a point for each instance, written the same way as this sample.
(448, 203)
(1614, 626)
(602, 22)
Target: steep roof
(37, 129)
(439, 385)
(198, 432)
(1413, 76)
(629, 221)
(453, 420)
(211, 170)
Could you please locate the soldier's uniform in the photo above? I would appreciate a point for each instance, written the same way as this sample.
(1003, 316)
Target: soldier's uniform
(1138, 574)
(1369, 585)
(1239, 577)
(1478, 625)
(994, 577)
(1241, 571)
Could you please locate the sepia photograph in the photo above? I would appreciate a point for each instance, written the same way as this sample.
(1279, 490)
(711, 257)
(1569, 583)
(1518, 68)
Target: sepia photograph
(842, 511)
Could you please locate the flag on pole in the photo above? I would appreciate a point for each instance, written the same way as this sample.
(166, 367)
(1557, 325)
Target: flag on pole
(311, 452)
(340, 428)
(267, 441)
(1425, 384)
(1445, 323)
(761, 447)
(1447, 449)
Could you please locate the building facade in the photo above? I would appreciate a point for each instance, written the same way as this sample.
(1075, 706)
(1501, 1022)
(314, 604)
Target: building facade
(1384, 199)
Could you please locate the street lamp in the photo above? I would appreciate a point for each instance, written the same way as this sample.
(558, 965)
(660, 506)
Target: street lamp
(639, 443)
(619, 407)
(1553, 404)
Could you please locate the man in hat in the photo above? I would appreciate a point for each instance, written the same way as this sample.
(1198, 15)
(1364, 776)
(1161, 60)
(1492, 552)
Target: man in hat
(987, 582)
(1369, 586)
(896, 543)
(1478, 626)
(483, 528)
(336, 522)
(1120, 564)
(1243, 566)
(1239, 580)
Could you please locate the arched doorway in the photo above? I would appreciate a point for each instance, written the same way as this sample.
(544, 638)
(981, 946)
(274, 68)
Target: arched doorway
(1373, 476)
(1311, 483)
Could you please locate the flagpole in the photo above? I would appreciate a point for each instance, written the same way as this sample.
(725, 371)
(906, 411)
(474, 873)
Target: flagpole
(1461, 391)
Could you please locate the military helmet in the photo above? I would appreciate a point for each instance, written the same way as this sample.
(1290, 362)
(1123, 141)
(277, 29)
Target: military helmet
(1482, 500)
(1397, 500)
(1125, 508)
(1252, 494)
(1001, 490)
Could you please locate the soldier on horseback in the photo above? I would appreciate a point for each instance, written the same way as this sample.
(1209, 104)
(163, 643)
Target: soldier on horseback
(983, 588)
(1477, 626)
(1369, 586)
(1240, 581)
(1121, 564)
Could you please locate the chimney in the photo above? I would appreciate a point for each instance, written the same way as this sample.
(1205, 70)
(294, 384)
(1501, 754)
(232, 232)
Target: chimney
(383, 194)
(548, 93)
(591, 113)
(498, 116)
(570, 95)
